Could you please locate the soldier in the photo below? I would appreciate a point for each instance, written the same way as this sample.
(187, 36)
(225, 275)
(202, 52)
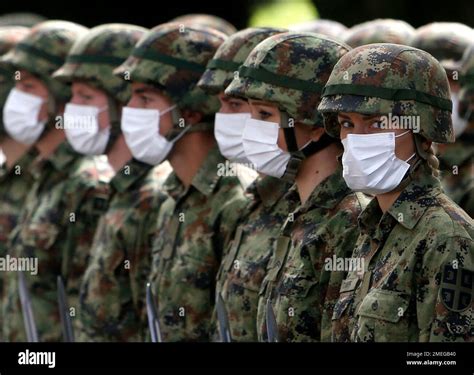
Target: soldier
(111, 300)
(68, 193)
(459, 184)
(14, 156)
(244, 263)
(380, 31)
(330, 28)
(206, 20)
(416, 244)
(447, 42)
(283, 78)
(168, 117)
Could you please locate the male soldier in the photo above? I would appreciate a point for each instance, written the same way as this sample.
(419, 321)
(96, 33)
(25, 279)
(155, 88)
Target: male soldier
(283, 78)
(111, 301)
(170, 118)
(447, 42)
(244, 264)
(69, 191)
(379, 31)
(14, 157)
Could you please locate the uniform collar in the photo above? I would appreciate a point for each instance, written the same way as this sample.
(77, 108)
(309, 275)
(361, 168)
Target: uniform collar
(133, 171)
(269, 189)
(205, 180)
(63, 156)
(407, 210)
(328, 193)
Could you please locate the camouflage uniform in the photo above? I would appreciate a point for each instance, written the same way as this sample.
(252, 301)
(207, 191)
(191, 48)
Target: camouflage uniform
(65, 201)
(326, 224)
(380, 31)
(112, 296)
(13, 182)
(92, 59)
(194, 223)
(244, 263)
(417, 278)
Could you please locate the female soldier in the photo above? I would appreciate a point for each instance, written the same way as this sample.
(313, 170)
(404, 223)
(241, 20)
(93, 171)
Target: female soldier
(283, 78)
(416, 243)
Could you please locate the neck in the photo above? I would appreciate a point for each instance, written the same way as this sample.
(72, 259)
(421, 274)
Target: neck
(119, 154)
(50, 141)
(13, 151)
(189, 153)
(386, 200)
(315, 169)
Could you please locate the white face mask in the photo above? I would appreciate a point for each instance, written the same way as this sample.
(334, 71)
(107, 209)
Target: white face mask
(370, 164)
(81, 125)
(141, 128)
(20, 116)
(228, 130)
(261, 148)
(459, 123)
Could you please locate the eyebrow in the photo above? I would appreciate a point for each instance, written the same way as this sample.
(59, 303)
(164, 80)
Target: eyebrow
(144, 90)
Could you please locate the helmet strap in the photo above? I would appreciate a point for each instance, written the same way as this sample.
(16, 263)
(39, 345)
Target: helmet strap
(114, 121)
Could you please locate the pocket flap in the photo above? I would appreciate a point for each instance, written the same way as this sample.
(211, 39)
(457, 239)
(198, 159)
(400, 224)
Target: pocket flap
(384, 304)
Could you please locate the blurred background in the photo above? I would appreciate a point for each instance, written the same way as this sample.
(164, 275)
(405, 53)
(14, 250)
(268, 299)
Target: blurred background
(243, 13)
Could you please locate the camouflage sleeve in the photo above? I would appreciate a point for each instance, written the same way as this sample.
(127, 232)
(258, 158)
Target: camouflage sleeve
(229, 218)
(444, 292)
(342, 234)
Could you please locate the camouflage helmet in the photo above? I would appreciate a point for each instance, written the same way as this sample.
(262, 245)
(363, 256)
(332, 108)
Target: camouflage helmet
(24, 19)
(390, 78)
(466, 79)
(43, 51)
(330, 28)
(9, 36)
(206, 20)
(446, 41)
(94, 56)
(230, 55)
(174, 59)
(380, 31)
(290, 70)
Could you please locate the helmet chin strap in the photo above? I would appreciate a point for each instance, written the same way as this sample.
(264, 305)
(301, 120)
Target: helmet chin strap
(114, 121)
(298, 155)
(177, 131)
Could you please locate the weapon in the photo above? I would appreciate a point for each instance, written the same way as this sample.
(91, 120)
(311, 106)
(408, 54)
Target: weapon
(27, 311)
(222, 317)
(151, 309)
(68, 332)
(272, 328)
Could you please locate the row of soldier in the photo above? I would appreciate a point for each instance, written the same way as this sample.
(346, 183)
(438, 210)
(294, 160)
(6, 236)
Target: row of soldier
(130, 157)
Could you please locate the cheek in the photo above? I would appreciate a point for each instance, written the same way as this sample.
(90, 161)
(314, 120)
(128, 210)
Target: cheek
(104, 119)
(166, 123)
(281, 140)
(224, 108)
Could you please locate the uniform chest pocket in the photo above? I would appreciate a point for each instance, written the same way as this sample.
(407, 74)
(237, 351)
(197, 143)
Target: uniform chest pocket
(381, 316)
(40, 235)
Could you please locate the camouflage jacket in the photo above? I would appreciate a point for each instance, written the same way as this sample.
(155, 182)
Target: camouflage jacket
(14, 186)
(418, 273)
(301, 282)
(55, 227)
(112, 297)
(457, 164)
(194, 226)
(245, 263)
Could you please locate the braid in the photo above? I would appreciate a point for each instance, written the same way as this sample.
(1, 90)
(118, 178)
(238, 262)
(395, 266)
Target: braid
(432, 161)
